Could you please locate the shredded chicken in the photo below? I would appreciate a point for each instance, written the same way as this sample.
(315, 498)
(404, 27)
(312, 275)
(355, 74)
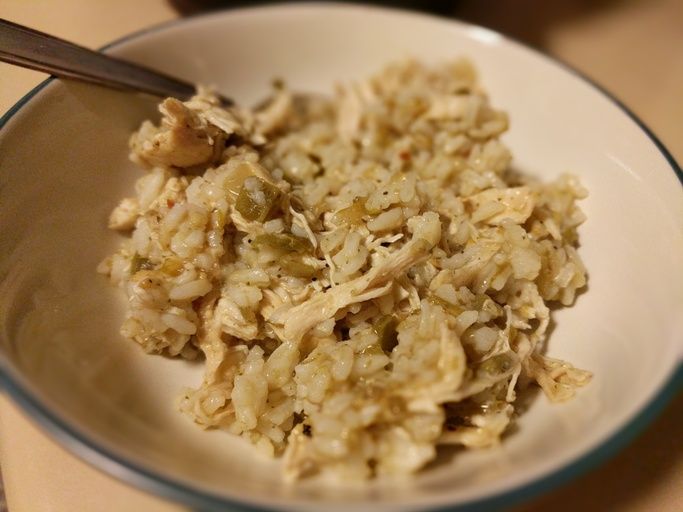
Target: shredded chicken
(375, 283)
(124, 215)
(275, 114)
(364, 277)
(558, 379)
(182, 140)
(510, 204)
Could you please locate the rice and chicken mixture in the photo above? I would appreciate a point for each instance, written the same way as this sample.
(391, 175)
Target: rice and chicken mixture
(364, 275)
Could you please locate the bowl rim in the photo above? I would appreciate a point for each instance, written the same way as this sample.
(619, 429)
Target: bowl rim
(103, 459)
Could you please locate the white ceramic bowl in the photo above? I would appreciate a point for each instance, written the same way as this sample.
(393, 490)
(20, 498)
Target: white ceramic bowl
(64, 166)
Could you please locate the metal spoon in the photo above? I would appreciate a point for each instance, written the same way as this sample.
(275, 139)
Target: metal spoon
(29, 48)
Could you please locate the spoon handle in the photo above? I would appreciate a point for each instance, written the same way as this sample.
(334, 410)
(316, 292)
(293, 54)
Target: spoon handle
(29, 48)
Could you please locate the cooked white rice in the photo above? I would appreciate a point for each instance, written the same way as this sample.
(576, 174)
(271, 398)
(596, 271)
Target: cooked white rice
(365, 276)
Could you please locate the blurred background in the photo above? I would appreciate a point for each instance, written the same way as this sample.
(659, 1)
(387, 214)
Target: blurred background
(633, 48)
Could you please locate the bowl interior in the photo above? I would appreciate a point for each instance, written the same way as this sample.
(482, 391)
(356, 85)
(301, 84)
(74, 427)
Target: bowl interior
(63, 166)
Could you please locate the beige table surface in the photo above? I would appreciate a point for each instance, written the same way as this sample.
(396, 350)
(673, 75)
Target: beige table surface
(633, 48)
